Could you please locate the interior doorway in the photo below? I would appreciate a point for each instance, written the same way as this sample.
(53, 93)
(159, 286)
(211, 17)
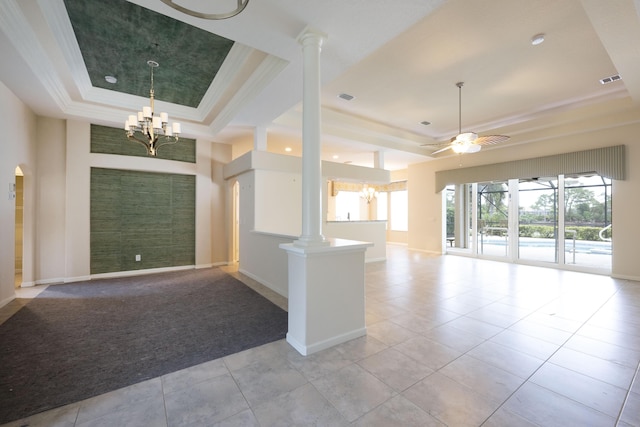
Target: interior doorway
(19, 225)
(236, 223)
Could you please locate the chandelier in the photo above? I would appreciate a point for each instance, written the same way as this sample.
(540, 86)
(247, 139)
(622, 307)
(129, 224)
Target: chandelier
(150, 130)
(213, 16)
(368, 193)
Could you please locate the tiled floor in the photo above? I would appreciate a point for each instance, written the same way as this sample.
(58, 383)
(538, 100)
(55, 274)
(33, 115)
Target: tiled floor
(451, 341)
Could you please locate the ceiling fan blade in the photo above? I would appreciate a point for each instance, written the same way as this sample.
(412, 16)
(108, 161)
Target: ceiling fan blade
(441, 150)
(491, 139)
(435, 144)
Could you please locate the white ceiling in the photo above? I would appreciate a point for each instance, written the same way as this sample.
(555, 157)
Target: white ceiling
(400, 59)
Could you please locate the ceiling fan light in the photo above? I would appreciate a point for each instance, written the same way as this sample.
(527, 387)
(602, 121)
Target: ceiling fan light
(473, 148)
(459, 148)
(466, 138)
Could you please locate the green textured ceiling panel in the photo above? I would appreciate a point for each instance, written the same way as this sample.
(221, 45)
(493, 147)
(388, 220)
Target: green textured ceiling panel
(117, 38)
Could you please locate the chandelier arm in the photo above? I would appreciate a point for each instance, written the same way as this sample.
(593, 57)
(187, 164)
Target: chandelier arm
(169, 140)
(146, 144)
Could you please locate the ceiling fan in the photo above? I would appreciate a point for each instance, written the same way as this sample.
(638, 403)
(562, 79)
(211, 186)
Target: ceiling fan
(467, 142)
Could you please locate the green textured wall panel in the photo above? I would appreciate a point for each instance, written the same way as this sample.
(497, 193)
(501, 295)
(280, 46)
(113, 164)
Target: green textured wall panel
(141, 213)
(107, 140)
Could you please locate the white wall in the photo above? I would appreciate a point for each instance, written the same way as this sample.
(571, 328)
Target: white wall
(77, 196)
(51, 200)
(425, 205)
(204, 204)
(221, 203)
(278, 201)
(363, 231)
(18, 124)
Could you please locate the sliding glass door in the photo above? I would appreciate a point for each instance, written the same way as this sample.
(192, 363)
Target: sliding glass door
(559, 220)
(587, 221)
(493, 219)
(538, 219)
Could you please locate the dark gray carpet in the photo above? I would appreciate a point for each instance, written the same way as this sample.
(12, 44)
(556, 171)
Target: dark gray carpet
(79, 340)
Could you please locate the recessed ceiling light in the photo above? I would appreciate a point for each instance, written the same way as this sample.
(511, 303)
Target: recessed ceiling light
(335, 156)
(610, 79)
(537, 39)
(287, 149)
(346, 96)
(111, 79)
(424, 122)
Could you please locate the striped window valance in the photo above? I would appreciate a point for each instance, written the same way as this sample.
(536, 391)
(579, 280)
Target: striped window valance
(336, 186)
(608, 162)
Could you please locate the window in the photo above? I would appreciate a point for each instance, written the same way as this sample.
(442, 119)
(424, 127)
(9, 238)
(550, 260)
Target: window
(347, 206)
(382, 206)
(399, 211)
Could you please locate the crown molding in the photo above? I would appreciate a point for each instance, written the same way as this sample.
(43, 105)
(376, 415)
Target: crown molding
(20, 31)
(268, 69)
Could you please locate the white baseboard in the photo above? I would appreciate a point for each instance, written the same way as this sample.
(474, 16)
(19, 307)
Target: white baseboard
(55, 281)
(77, 279)
(307, 350)
(140, 272)
(264, 282)
(198, 266)
(625, 277)
(7, 300)
(221, 264)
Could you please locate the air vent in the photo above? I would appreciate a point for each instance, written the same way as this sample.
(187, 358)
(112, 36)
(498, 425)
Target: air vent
(610, 79)
(346, 96)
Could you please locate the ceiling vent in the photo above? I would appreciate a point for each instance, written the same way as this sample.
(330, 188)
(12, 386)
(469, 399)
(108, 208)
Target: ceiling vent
(346, 96)
(610, 79)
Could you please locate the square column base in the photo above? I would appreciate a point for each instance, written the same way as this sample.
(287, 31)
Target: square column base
(326, 294)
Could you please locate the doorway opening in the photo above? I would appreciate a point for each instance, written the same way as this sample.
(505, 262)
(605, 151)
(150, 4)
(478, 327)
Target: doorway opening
(235, 249)
(19, 225)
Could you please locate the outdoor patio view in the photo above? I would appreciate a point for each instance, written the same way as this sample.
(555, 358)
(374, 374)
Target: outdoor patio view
(561, 220)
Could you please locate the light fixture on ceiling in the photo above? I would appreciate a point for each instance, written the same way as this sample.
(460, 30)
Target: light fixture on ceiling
(346, 97)
(537, 39)
(111, 79)
(213, 16)
(287, 149)
(464, 143)
(368, 193)
(467, 142)
(150, 126)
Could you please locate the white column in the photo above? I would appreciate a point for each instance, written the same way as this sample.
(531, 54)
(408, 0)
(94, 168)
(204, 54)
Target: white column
(311, 42)
(260, 138)
(378, 159)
